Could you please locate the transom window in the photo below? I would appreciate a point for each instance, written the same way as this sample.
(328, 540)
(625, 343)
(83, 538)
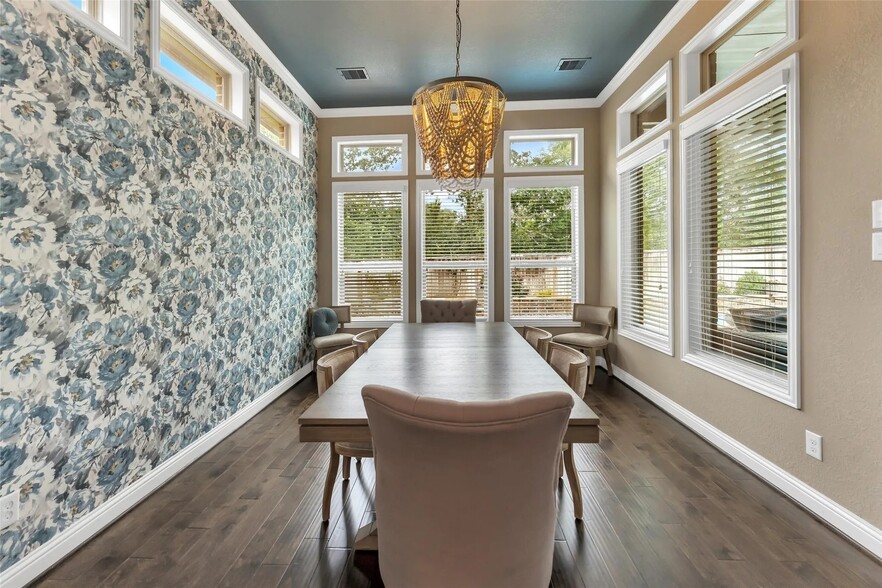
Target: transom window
(378, 155)
(543, 243)
(277, 125)
(190, 57)
(740, 239)
(644, 248)
(110, 19)
(370, 249)
(455, 253)
(543, 150)
(646, 113)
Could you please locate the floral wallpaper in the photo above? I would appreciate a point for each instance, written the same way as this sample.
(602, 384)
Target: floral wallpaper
(156, 263)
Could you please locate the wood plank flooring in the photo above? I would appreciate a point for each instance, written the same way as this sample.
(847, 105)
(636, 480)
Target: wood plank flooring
(662, 508)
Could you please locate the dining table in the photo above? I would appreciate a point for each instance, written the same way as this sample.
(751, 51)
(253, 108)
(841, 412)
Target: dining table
(457, 361)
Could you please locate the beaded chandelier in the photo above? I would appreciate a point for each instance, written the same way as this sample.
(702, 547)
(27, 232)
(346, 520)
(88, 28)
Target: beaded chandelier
(457, 122)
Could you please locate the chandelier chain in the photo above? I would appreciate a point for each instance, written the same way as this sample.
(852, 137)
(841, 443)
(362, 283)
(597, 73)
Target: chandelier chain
(458, 36)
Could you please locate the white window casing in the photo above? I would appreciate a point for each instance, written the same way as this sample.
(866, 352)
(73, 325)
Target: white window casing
(293, 124)
(115, 24)
(541, 299)
(443, 268)
(660, 82)
(645, 246)
(577, 136)
(372, 275)
(395, 143)
(739, 237)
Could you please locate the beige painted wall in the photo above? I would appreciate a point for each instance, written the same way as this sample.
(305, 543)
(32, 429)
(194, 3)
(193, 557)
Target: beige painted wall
(840, 51)
(546, 119)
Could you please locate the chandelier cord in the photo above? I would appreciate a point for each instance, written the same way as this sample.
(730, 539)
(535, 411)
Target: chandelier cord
(458, 36)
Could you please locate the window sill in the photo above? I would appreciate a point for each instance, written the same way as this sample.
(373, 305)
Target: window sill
(368, 324)
(172, 79)
(542, 322)
(780, 388)
(278, 149)
(649, 339)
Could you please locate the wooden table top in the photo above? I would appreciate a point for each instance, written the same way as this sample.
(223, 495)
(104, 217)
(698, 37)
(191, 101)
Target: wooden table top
(459, 361)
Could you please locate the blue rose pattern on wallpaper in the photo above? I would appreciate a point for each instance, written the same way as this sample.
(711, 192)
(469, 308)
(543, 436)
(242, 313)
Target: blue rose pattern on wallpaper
(157, 263)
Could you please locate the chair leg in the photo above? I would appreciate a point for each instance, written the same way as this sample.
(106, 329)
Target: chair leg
(592, 356)
(573, 478)
(346, 462)
(329, 483)
(609, 367)
(560, 468)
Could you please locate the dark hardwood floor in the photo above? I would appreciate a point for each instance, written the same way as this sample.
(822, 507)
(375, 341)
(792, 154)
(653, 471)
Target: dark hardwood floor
(662, 508)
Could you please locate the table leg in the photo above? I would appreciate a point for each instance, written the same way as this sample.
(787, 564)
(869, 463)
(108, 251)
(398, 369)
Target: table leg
(329, 483)
(573, 477)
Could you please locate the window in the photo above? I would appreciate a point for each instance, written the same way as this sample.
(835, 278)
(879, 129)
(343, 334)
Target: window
(187, 55)
(370, 248)
(277, 125)
(544, 245)
(647, 113)
(455, 253)
(379, 155)
(740, 241)
(742, 36)
(425, 169)
(645, 249)
(544, 150)
(110, 19)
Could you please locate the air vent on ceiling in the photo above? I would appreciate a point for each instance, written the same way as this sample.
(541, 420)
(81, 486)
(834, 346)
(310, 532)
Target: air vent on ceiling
(353, 73)
(572, 63)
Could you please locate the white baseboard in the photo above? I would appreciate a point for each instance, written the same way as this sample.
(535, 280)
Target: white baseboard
(833, 513)
(47, 555)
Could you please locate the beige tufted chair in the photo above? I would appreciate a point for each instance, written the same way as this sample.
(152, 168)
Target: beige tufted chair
(338, 340)
(572, 366)
(538, 339)
(448, 310)
(329, 368)
(597, 324)
(465, 494)
(365, 339)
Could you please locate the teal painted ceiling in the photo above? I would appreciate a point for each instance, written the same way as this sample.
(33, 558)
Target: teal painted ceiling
(404, 44)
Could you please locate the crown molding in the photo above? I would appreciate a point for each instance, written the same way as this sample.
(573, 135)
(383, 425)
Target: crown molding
(229, 12)
(238, 22)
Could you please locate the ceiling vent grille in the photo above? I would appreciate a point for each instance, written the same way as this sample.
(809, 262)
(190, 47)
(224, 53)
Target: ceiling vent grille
(572, 63)
(353, 73)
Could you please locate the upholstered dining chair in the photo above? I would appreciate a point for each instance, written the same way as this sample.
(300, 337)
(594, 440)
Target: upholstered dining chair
(597, 324)
(572, 366)
(489, 468)
(365, 339)
(329, 368)
(448, 310)
(337, 340)
(538, 339)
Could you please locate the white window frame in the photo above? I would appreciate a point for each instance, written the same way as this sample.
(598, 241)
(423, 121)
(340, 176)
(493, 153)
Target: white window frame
(338, 142)
(124, 40)
(654, 340)
(520, 182)
(422, 166)
(202, 39)
(430, 185)
(338, 188)
(691, 95)
(578, 157)
(295, 125)
(640, 98)
(787, 391)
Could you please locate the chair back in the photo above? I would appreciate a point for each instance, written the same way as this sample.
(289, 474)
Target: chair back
(466, 490)
(343, 315)
(571, 365)
(331, 366)
(448, 310)
(595, 319)
(538, 339)
(365, 339)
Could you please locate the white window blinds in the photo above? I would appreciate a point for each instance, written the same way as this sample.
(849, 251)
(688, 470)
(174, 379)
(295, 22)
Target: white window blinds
(644, 305)
(544, 244)
(454, 256)
(737, 240)
(370, 252)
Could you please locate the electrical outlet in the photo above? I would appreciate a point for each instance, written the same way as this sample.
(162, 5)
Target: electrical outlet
(877, 214)
(814, 445)
(877, 246)
(8, 509)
